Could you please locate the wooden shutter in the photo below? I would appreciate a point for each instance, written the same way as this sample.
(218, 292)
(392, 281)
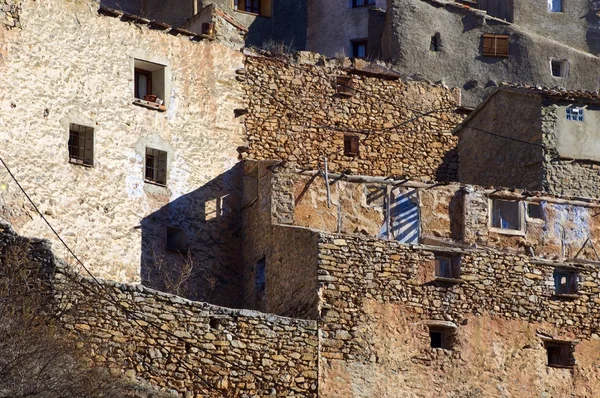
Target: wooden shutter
(495, 45)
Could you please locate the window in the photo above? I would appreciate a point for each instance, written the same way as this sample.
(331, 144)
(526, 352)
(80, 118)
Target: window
(361, 3)
(260, 279)
(535, 211)
(156, 166)
(442, 337)
(176, 239)
(447, 267)
(81, 145)
(565, 282)
(555, 5)
(149, 82)
(560, 353)
(559, 67)
(359, 48)
(507, 215)
(259, 7)
(436, 42)
(345, 86)
(575, 114)
(350, 145)
(495, 45)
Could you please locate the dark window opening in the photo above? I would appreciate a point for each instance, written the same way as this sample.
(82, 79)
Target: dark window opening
(143, 83)
(447, 267)
(156, 166)
(359, 48)
(149, 82)
(566, 282)
(436, 43)
(176, 239)
(351, 145)
(440, 337)
(534, 210)
(560, 353)
(81, 145)
(559, 67)
(495, 45)
(260, 279)
(362, 3)
(259, 7)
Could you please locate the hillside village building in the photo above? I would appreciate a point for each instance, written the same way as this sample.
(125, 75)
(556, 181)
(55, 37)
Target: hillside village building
(338, 198)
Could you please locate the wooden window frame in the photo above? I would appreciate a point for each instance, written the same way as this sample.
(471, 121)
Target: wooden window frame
(520, 215)
(560, 354)
(351, 145)
(571, 285)
(492, 46)
(152, 167)
(81, 145)
(453, 266)
(262, 9)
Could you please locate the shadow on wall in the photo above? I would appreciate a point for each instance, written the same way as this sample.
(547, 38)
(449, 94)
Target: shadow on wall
(284, 31)
(447, 171)
(192, 246)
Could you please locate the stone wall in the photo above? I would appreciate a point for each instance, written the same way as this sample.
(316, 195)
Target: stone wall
(295, 115)
(9, 13)
(377, 297)
(488, 158)
(192, 348)
(70, 64)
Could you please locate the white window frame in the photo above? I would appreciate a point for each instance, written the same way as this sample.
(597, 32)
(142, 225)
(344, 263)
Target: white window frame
(564, 67)
(505, 231)
(574, 114)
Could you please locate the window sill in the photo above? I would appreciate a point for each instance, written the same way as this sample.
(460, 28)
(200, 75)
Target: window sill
(252, 13)
(453, 281)
(561, 366)
(155, 183)
(507, 231)
(149, 105)
(567, 296)
(78, 163)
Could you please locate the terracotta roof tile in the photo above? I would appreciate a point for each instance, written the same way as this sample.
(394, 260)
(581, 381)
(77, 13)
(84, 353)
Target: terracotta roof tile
(554, 92)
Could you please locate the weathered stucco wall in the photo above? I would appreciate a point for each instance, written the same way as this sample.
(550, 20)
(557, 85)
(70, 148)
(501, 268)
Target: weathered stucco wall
(295, 115)
(378, 295)
(192, 348)
(333, 24)
(68, 64)
(460, 63)
(504, 133)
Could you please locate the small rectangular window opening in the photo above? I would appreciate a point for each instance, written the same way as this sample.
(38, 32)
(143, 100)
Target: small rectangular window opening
(351, 145)
(566, 282)
(559, 67)
(495, 45)
(447, 267)
(561, 354)
(555, 5)
(574, 113)
(149, 82)
(441, 337)
(362, 3)
(81, 145)
(156, 166)
(359, 48)
(176, 239)
(260, 278)
(258, 7)
(345, 86)
(507, 215)
(535, 211)
(436, 42)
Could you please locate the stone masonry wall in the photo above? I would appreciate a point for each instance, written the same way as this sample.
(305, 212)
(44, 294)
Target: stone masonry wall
(192, 348)
(565, 176)
(377, 296)
(295, 115)
(9, 13)
(70, 64)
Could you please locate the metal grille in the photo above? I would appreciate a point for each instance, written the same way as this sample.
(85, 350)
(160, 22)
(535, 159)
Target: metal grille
(81, 145)
(156, 166)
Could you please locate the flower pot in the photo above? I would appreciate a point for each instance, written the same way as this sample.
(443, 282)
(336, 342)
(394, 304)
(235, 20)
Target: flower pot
(150, 98)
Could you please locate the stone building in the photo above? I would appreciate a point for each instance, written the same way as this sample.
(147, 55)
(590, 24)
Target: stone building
(274, 24)
(533, 138)
(470, 48)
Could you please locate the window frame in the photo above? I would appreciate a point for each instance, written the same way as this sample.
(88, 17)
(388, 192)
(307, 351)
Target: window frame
(447, 334)
(551, 6)
(571, 286)
(155, 170)
(355, 43)
(351, 145)
(564, 68)
(541, 209)
(492, 50)
(577, 114)
(137, 72)
(264, 8)
(84, 159)
(507, 231)
(453, 267)
(565, 354)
